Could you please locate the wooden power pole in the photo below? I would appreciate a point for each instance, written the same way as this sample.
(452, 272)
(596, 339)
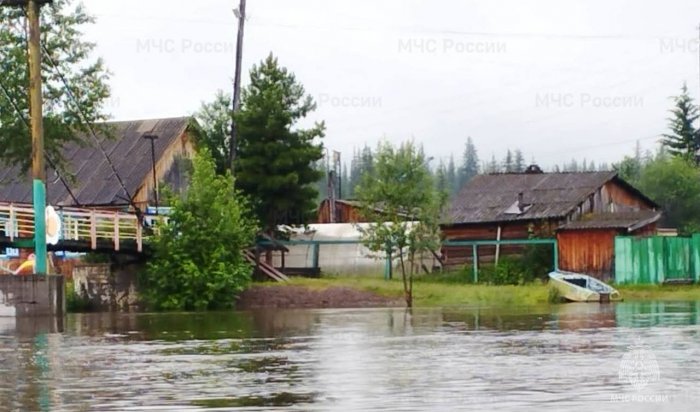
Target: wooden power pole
(37, 126)
(240, 13)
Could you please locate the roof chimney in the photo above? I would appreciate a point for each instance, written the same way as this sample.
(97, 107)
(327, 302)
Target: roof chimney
(521, 204)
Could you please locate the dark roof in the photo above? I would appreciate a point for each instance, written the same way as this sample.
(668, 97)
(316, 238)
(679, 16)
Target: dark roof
(94, 182)
(486, 198)
(629, 221)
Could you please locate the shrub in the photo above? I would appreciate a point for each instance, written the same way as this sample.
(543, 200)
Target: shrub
(198, 262)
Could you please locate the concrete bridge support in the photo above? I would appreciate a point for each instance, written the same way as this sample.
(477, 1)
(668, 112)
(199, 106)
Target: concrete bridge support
(32, 296)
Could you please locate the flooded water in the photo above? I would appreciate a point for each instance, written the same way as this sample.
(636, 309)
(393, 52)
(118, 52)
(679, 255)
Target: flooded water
(627, 356)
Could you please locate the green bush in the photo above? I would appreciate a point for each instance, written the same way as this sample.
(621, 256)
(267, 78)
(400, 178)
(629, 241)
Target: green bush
(75, 302)
(198, 262)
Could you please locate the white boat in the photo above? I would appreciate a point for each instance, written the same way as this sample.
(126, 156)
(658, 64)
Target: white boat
(577, 287)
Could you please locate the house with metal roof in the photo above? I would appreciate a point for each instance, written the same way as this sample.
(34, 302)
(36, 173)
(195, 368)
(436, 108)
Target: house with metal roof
(584, 210)
(120, 169)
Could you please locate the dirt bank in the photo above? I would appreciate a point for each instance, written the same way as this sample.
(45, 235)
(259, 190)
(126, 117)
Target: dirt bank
(286, 296)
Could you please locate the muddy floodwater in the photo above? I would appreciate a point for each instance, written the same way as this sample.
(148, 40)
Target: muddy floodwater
(626, 356)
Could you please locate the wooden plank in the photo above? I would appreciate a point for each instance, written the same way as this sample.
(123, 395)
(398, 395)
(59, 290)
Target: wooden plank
(93, 231)
(116, 232)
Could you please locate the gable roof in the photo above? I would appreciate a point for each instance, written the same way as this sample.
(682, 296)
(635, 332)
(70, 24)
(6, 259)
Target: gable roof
(487, 198)
(94, 182)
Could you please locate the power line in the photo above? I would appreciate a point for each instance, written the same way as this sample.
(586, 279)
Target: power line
(83, 118)
(26, 123)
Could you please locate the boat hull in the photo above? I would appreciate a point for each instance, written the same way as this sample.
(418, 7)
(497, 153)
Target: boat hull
(576, 287)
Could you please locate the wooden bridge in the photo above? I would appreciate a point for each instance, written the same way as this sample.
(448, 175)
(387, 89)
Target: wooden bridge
(81, 230)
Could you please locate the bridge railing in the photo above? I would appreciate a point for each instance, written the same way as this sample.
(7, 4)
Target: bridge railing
(86, 225)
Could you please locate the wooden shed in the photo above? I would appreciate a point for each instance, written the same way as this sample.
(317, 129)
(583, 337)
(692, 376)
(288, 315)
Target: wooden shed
(588, 245)
(522, 205)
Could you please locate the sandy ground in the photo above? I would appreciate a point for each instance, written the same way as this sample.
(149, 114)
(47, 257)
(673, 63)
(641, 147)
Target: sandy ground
(282, 296)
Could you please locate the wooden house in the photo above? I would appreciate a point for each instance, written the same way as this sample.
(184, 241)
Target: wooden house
(127, 144)
(545, 205)
(346, 211)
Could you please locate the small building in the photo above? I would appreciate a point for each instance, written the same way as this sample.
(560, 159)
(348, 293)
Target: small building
(588, 245)
(92, 181)
(537, 204)
(346, 211)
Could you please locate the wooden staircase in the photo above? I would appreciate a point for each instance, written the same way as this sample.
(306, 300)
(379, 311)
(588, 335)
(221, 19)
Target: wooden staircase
(263, 267)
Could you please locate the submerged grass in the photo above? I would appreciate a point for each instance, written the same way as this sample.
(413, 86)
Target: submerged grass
(659, 292)
(451, 289)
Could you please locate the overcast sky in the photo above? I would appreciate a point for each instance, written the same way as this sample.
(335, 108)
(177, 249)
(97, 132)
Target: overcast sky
(556, 78)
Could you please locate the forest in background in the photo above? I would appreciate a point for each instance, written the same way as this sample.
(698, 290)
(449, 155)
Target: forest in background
(670, 175)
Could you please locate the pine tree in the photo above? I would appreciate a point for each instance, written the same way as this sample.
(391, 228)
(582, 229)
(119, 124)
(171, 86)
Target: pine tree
(276, 160)
(470, 164)
(492, 166)
(508, 165)
(519, 161)
(441, 180)
(684, 139)
(451, 175)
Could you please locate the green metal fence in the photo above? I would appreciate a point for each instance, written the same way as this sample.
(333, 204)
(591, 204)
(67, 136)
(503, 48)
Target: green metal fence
(657, 259)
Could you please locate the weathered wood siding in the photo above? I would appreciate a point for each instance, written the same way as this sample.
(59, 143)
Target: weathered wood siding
(587, 251)
(345, 213)
(611, 197)
(170, 169)
(592, 251)
(459, 255)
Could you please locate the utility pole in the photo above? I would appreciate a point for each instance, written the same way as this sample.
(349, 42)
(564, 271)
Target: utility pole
(37, 126)
(240, 13)
(152, 137)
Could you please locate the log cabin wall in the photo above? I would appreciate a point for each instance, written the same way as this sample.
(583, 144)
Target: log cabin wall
(345, 212)
(514, 230)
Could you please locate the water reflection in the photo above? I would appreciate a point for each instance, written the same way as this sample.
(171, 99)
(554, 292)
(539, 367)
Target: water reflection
(563, 357)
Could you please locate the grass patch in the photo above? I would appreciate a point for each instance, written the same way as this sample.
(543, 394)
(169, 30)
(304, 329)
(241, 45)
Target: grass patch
(433, 293)
(454, 289)
(659, 292)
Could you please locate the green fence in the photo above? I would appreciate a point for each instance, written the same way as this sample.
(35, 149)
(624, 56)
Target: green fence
(657, 259)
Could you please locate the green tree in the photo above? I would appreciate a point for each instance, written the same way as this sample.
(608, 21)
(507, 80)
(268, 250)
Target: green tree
(66, 56)
(276, 160)
(492, 166)
(452, 183)
(401, 200)
(197, 261)
(519, 162)
(214, 119)
(683, 140)
(508, 163)
(674, 183)
(470, 164)
(630, 168)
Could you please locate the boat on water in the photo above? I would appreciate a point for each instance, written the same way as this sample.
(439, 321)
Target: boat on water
(577, 287)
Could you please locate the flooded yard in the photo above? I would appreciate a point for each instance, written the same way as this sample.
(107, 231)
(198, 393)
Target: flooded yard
(626, 356)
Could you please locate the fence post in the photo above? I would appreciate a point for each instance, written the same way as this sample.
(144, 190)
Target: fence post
(475, 263)
(315, 258)
(11, 224)
(139, 236)
(93, 229)
(116, 231)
